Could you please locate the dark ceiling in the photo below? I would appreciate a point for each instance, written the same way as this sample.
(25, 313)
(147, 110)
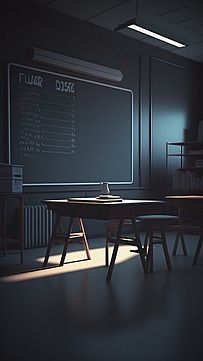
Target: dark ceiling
(179, 19)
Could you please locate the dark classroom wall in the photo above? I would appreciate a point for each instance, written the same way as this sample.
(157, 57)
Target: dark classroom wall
(201, 92)
(166, 90)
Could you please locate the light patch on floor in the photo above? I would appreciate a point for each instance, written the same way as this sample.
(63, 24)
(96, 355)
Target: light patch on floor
(75, 261)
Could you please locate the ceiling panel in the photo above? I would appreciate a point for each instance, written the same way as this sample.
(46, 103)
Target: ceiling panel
(85, 9)
(113, 17)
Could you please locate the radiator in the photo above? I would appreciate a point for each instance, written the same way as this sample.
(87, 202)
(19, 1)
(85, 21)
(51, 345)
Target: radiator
(38, 225)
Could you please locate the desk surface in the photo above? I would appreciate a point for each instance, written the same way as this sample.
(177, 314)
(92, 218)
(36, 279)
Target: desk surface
(190, 200)
(186, 197)
(92, 209)
(12, 194)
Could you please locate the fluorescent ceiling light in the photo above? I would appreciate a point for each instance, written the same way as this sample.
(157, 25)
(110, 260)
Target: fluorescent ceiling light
(139, 24)
(155, 35)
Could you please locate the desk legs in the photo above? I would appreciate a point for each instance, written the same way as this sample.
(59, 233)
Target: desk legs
(66, 241)
(156, 239)
(58, 221)
(141, 250)
(115, 250)
(85, 239)
(69, 235)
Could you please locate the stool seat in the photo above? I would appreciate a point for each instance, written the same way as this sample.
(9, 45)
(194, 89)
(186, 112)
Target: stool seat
(156, 223)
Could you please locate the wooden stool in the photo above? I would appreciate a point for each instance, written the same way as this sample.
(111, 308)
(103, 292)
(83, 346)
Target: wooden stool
(156, 223)
(58, 233)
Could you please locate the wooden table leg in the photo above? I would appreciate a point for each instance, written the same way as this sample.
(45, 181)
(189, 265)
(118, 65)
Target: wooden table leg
(57, 222)
(115, 250)
(84, 239)
(141, 250)
(66, 241)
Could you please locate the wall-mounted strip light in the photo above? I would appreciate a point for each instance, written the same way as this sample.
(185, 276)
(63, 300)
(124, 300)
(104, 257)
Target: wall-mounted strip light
(155, 35)
(76, 65)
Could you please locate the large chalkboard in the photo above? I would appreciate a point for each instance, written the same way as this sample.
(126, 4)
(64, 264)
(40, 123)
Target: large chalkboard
(67, 130)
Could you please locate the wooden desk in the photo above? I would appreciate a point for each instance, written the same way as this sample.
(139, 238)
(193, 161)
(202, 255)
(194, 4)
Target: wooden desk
(195, 202)
(20, 240)
(186, 200)
(92, 209)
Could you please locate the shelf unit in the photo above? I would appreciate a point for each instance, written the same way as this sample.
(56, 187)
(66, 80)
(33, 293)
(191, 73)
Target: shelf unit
(187, 178)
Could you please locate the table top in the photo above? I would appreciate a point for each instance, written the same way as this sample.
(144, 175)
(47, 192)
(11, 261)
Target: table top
(12, 194)
(94, 200)
(194, 201)
(92, 209)
(186, 197)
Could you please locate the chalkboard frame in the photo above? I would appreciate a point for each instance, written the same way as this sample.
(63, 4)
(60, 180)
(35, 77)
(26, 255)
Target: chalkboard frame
(10, 150)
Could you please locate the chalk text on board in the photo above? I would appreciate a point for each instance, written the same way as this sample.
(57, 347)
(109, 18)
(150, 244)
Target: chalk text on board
(30, 79)
(65, 86)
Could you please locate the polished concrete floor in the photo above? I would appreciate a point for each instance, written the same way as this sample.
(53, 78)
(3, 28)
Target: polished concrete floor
(71, 313)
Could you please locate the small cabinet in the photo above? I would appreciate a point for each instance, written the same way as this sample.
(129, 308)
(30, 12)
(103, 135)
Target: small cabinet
(5, 240)
(184, 167)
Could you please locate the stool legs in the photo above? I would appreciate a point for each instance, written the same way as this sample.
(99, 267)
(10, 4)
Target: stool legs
(199, 246)
(152, 240)
(149, 253)
(165, 249)
(146, 241)
(140, 250)
(179, 235)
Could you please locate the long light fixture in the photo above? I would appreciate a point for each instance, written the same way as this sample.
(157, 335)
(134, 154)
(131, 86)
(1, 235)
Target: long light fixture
(140, 29)
(76, 65)
(137, 24)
